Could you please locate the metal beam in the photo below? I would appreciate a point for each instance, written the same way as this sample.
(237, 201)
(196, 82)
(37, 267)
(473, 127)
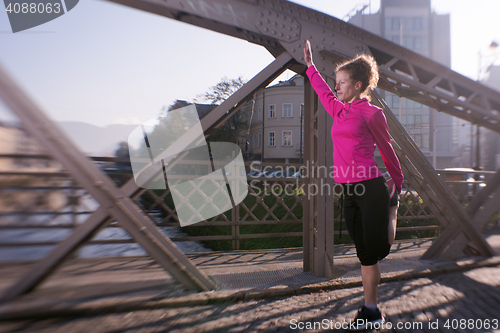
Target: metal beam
(451, 214)
(227, 108)
(98, 184)
(281, 25)
(98, 219)
(488, 198)
(479, 199)
(308, 203)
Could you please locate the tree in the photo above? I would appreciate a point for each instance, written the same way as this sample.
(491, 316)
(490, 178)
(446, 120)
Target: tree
(221, 91)
(231, 130)
(123, 152)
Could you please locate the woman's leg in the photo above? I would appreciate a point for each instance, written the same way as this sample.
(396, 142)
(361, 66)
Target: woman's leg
(370, 276)
(374, 206)
(393, 220)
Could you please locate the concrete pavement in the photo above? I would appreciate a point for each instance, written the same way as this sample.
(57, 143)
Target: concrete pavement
(258, 291)
(469, 299)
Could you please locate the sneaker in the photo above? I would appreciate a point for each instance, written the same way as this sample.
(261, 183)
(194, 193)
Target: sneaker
(366, 319)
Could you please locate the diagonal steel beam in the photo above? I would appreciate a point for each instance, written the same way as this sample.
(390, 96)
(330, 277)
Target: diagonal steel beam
(98, 219)
(103, 190)
(479, 199)
(227, 108)
(488, 198)
(282, 25)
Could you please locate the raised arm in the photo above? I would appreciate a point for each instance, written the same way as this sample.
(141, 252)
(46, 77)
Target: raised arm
(308, 58)
(325, 93)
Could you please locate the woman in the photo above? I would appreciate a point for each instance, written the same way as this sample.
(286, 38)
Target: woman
(357, 127)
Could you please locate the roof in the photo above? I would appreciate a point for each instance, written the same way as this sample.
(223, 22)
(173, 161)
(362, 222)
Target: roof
(287, 83)
(202, 109)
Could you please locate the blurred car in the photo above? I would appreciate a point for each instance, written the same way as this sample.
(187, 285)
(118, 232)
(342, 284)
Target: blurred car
(256, 174)
(282, 173)
(474, 180)
(276, 174)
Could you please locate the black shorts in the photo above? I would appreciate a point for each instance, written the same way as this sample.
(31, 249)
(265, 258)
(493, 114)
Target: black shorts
(394, 201)
(366, 210)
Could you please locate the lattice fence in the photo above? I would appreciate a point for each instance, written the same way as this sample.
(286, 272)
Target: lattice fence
(36, 201)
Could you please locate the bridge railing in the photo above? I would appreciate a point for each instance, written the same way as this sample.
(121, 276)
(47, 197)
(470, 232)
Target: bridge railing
(40, 204)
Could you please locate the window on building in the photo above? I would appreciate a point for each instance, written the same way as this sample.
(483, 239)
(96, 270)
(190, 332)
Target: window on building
(255, 140)
(425, 141)
(418, 139)
(425, 43)
(395, 23)
(408, 42)
(403, 120)
(395, 101)
(271, 139)
(287, 110)
(259, 140)
(410, 121)
(388, 24)
(408, 23)
(287, 138)
(425, 121)
(418, 121)
(388, 99)
(418, 43)
(417, 23)
(272, 111)
(259, 114)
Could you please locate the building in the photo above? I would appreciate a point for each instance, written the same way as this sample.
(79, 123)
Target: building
(15, 141)
(412, 24)
(276, 130)
(490, 141)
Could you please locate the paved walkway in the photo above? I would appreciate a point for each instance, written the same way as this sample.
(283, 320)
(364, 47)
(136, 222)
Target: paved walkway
(134, 295)
(470, 298)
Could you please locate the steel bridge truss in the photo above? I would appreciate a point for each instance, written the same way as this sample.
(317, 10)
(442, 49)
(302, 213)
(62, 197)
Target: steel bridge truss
(282, 28)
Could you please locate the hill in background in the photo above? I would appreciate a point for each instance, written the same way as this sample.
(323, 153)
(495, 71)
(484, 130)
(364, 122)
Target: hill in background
(94, 140)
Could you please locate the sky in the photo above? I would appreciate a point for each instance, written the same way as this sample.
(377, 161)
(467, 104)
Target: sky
(104, 63)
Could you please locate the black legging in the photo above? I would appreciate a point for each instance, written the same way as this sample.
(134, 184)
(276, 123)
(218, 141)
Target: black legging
(366, 209)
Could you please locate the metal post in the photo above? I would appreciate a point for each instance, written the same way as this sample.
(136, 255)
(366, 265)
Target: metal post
(263, 141)
(471, 150)
(114, 201)
(478, 147)
(300, 135)
(434, 139)
(318, 209)
(307, 201)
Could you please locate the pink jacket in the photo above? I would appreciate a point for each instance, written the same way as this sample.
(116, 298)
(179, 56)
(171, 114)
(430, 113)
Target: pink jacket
(357, 127)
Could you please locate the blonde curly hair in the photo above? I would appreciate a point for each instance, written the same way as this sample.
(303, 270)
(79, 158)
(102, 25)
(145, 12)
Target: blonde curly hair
(363, 68)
